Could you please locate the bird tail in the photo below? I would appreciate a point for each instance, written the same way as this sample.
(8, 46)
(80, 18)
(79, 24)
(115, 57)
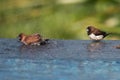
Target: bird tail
(45, 41)
(108, 34)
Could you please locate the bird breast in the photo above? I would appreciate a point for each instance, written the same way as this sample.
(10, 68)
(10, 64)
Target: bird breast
(94, 37)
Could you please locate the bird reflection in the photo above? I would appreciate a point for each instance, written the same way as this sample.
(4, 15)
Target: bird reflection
(36, 48)
(95, 46)
(28, 48)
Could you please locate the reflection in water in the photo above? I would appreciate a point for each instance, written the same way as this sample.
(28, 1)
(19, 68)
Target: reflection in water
(36, 48)
(95, 46)
(28, 48)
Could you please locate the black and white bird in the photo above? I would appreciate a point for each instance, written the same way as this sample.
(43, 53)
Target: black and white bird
(96, 34)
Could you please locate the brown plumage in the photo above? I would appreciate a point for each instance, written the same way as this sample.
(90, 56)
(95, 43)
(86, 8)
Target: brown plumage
(34, 39)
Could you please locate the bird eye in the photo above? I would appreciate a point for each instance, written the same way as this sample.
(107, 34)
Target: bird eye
(87, 30)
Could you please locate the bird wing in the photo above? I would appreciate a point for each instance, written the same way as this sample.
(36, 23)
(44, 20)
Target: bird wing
(33, 38)
(98, 32)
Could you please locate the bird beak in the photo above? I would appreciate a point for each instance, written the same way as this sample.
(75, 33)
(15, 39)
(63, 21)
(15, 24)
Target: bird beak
(18, 38)
(87, 30)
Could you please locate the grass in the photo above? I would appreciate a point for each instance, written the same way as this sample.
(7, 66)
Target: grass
(68, 21)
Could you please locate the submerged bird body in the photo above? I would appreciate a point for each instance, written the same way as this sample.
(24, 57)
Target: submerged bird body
(34, 39)
(96, 34)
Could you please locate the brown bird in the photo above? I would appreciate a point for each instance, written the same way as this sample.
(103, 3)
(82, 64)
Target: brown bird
(34, 39)
(96, 34)
(117, 47)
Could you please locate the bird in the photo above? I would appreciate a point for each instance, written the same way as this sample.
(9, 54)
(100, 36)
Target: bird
(96, 34)
(33, 39)
(117, 47)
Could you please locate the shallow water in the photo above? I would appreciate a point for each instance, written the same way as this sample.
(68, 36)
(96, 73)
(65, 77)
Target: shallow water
(59, 60)
(26, 69)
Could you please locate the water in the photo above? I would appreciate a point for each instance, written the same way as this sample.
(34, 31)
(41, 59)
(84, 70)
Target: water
(26, 69)
(59, 60)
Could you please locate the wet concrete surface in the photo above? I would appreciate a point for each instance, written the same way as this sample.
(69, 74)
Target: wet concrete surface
(60, 60)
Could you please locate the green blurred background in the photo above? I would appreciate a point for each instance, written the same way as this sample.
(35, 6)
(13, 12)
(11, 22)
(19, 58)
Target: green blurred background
(59, 19)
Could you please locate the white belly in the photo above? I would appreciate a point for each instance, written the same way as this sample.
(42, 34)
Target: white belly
(93, 37)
